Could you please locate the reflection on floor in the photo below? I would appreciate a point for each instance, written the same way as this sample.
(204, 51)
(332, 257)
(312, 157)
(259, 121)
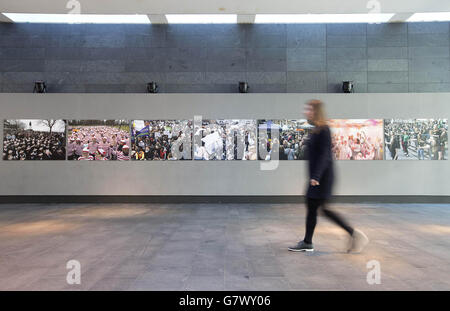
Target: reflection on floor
(219, 247)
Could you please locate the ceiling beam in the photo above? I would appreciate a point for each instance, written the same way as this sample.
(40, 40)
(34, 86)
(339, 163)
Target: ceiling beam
(400, 17)
(4, 19)
(246, 18)
(157, 18)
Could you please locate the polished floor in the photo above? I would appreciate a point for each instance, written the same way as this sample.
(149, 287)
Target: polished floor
(219, 247)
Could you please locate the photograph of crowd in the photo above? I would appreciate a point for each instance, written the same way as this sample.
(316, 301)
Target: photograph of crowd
(291, 140)
(268, 139)
(98, 140)
(225, 140)
(416, 139)
(161, 140)
(34, 140)
(357, 139)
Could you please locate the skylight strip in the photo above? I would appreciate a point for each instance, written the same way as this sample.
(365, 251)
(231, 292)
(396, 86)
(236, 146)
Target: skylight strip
(201, 18)
(78, 18)
(322, 18)
(430, 17)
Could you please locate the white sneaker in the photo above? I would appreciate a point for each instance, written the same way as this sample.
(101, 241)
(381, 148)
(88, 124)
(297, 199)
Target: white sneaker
(358, 241)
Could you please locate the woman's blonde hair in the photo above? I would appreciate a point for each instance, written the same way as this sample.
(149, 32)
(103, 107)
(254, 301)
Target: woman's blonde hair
(319, 119)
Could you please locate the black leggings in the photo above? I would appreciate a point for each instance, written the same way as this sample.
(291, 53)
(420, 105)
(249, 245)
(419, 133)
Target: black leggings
(311, 218)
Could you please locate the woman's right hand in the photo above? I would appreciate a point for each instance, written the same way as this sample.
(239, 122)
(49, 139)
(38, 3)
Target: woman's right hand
(314, 182)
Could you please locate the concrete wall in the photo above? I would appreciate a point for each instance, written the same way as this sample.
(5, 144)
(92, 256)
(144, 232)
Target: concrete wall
(279, 58)
(218, 177)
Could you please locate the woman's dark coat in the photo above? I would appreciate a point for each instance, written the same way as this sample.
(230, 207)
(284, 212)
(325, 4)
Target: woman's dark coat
(320, 163)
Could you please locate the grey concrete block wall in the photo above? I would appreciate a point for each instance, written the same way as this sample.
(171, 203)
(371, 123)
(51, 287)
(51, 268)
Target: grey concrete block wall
(278, 58)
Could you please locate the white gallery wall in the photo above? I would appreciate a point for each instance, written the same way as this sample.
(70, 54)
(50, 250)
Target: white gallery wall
(219, 177)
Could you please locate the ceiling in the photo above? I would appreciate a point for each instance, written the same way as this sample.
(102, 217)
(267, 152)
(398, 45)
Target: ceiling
(224, 6)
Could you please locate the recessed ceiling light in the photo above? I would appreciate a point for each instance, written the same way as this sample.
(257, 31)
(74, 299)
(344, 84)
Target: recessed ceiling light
(430, 17)
(201, 18)
(322, 18)
(78, 18)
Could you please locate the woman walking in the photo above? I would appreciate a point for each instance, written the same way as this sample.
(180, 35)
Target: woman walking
(321, 182)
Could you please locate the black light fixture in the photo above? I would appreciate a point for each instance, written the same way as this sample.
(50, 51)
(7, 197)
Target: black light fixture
(243, 87)
(347, 86)
(152, 87)
(40, 87)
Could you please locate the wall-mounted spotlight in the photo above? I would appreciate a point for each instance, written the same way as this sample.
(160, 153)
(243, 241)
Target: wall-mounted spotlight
(347, 86)
(152, 87)
(40, 87)
(243, 87)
